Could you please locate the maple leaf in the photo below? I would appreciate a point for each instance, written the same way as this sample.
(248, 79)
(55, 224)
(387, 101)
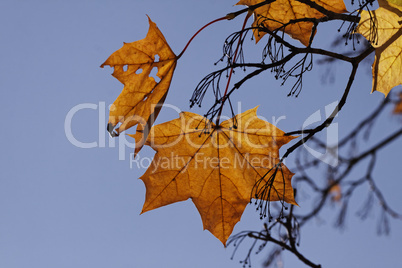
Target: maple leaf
(390, 4)
(398, 106)
(142, 97)
(216, 166)
(383, 29)
(335, 192)
(280, 12)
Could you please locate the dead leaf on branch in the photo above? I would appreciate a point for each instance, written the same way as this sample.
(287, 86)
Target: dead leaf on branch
(273, 16)
(383, 28)
(392, 5)
(398, 106)
(335, 192)
(216, 166)
(142, 97)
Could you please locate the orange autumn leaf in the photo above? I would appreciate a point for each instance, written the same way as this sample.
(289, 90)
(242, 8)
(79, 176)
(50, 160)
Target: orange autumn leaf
(216, 166)
(335, 192)
(383, 28)
(280, 12)
(398, 106)
(142, 97)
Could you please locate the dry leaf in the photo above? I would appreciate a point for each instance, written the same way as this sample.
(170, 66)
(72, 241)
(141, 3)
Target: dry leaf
(215, 166)
(398, 106)
(274, 15)
(142, 97)
(335, 192)
(389, 4)
(384, 26)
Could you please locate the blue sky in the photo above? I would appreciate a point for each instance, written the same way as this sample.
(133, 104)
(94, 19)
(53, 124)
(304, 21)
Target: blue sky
(65, 206)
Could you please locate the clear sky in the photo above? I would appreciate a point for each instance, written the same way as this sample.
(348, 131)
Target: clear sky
(64, 206)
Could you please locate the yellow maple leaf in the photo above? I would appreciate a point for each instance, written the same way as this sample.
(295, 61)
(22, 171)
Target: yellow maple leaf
(391, 4)
(280, 12)
(216, 166)
(383, 29)
(142, 97)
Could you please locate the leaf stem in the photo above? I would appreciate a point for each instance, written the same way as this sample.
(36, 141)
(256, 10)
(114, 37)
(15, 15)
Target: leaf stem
(202, 28)
(231, 69)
